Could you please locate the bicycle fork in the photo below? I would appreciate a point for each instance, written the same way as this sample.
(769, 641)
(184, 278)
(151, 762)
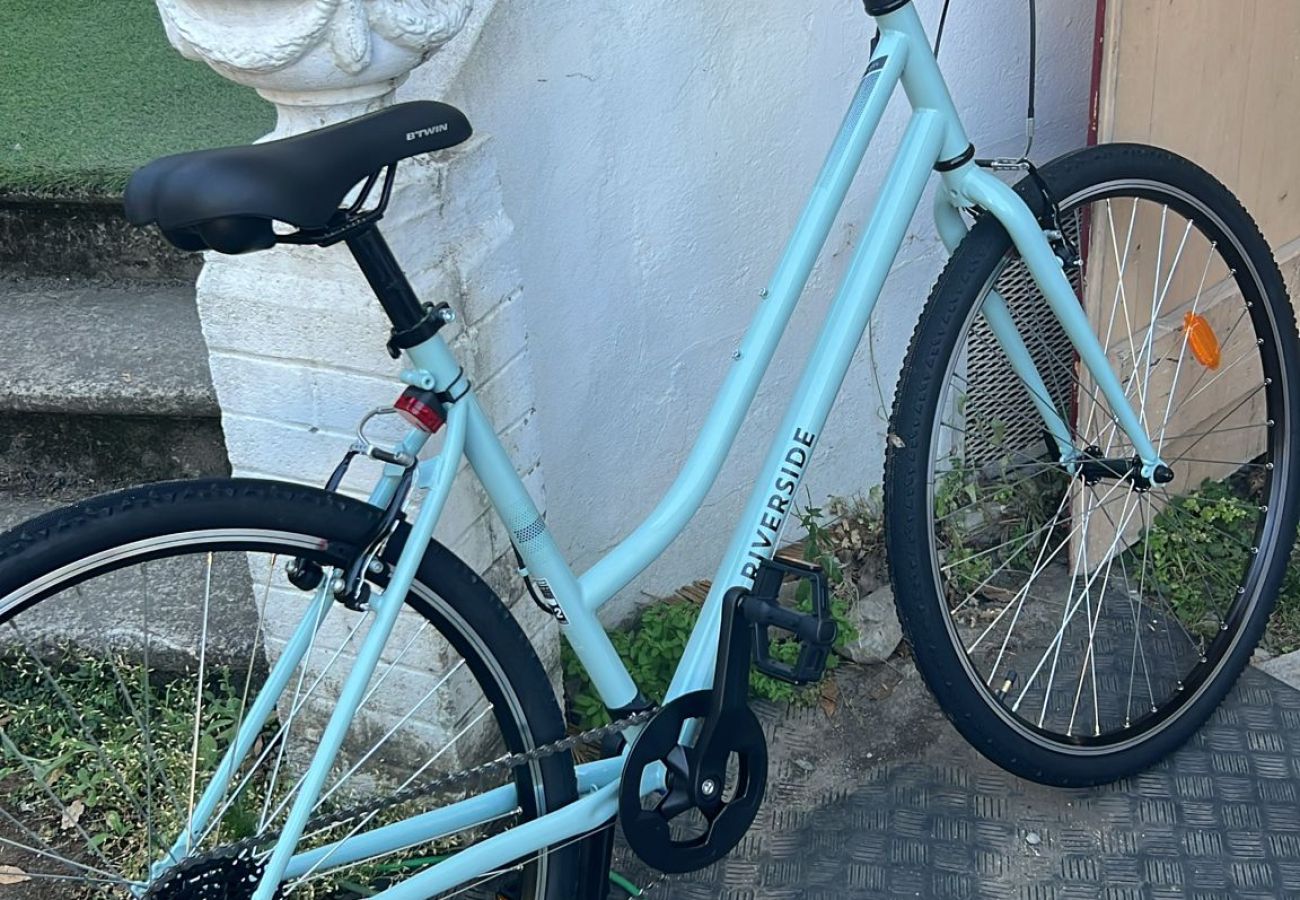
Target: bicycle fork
(972, 187)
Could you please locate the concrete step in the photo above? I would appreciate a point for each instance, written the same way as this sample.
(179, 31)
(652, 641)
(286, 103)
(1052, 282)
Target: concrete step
(89, 238)
(102, 385)
(107, 348)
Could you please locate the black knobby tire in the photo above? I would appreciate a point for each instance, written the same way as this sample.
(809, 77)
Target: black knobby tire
(40, 558)
(923, 606)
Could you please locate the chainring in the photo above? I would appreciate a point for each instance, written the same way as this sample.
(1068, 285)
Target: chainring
(649, 830)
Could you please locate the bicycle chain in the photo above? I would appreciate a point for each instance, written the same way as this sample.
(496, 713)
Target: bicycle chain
(442, 782)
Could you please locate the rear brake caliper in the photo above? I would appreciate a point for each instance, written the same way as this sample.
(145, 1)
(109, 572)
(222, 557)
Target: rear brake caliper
(424, 410)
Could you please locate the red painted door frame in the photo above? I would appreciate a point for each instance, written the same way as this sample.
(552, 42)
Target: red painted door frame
(1098, 45)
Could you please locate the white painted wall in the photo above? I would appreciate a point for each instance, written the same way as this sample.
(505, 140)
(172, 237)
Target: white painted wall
(654, 157)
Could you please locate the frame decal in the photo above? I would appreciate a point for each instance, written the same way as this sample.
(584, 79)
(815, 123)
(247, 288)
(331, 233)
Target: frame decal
(779, 501)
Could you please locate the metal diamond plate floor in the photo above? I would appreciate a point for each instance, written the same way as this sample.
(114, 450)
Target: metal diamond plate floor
(1221, 818)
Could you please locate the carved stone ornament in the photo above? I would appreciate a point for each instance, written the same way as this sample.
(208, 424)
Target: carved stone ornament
(349, 55)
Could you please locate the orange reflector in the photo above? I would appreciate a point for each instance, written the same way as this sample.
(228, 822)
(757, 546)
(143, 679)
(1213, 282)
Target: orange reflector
(1201, 338)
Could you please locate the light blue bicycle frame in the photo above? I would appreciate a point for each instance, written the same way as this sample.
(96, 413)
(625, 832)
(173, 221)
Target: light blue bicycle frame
(902, 56)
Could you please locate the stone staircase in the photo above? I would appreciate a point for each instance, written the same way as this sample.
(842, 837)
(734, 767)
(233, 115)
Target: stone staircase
(104, 378)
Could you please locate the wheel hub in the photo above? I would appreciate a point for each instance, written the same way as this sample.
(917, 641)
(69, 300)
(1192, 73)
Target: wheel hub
(1095, 467)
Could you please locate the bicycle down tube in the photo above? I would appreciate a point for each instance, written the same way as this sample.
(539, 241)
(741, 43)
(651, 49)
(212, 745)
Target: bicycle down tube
(934, 133)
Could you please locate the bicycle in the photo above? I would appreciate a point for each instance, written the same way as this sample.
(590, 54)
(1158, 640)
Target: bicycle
(1087, 489)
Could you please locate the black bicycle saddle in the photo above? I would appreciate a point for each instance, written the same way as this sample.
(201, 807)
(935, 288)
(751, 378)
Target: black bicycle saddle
(226, 199)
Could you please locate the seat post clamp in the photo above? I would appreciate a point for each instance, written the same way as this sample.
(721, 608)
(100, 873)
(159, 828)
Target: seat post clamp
(430, 324)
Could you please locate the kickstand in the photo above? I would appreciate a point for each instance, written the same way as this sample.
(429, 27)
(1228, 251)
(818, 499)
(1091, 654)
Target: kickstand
(595, 858)
(596, 853)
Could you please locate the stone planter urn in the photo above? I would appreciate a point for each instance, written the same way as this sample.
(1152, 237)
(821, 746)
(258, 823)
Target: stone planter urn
(318, 61)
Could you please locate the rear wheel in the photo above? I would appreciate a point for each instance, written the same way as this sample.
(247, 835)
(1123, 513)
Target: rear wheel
(135, 631)
(1075, 623)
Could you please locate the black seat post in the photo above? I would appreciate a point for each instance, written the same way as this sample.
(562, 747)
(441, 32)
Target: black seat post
(387, 279)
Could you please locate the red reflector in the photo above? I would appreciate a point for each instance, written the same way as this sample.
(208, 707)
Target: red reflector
(421, 409)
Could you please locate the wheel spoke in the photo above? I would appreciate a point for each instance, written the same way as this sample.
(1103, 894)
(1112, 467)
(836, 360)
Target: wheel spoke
(370, 817)
(1182, 351)
(36, 849)
(1019, 600)
(1038, 569)
(87, 735)
(65, 815)
(396, 726)
(298, 703)
(199, 689)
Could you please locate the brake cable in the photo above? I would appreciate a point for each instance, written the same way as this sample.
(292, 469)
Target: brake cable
(1031, 93)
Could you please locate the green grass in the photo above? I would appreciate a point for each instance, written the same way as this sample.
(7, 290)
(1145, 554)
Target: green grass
(1198, 549)
(77, 770)
(77, 725)
(1283, 633)
(66, 742)
(91, 90)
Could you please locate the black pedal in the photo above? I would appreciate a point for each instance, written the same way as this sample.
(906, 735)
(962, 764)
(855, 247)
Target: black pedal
(815, 631)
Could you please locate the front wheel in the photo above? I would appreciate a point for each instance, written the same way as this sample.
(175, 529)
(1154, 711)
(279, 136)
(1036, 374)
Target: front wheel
(1074, 622)
(136, 631)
